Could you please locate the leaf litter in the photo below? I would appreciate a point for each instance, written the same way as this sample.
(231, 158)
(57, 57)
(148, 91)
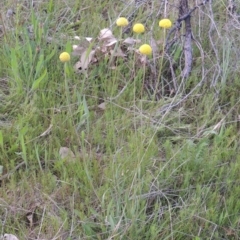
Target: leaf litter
(94, 50)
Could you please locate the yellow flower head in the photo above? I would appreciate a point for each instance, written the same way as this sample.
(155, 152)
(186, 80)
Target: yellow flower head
(165, 23)
(145, 49)
(122, 22)
(64, 57)
(138, 28)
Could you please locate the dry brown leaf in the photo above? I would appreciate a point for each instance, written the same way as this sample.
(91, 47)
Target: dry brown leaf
(111, 42)
(102, 106)
(67, 154)
(78, 66)
(85, 59)
(106, 33)
(143, 59)
(131, 41)
(78, 50)
(117, 53)
(102, 49)
(132, 49)
(9, 237)
(230, 232)
(107, 37)
(31, 214)
(29, 217)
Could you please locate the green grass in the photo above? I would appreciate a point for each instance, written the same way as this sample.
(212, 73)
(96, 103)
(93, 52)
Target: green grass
(143, 168)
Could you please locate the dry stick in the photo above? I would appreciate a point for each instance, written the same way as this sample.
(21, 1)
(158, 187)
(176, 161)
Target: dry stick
(183, 10)
(184, 15)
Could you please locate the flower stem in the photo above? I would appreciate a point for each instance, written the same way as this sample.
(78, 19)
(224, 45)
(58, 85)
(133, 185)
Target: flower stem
(66, 74)
(161, 63)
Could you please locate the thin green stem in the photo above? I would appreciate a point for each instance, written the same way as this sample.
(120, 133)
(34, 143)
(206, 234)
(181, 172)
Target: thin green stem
(66, 73)
(161, 63)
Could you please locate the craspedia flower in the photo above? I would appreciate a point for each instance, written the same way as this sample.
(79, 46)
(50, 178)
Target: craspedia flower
(122, 22)
(64, 57)
(138, 28)
(145, 49)
(165, 23)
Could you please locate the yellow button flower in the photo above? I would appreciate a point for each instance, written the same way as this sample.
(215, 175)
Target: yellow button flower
(165, 23)
(138, 28)
(145, 49)
(64, 57)
(122, 22)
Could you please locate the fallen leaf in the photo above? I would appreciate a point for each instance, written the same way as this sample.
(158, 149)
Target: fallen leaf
(111, 42)
(105, 33)
(143, 59)
(102, 106)
(131, 41)
(30, 219)
(89, 39)
(77, 38)
(78, 50)
(67, 154)
(107, 37)
(9, 237)
(132, 49)
(85, 59)
(229, 232)
(118, 53)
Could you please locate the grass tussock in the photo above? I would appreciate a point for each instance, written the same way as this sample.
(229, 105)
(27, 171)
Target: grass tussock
(121, 150)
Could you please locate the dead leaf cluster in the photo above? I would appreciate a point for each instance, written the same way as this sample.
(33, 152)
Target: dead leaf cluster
(92, 51)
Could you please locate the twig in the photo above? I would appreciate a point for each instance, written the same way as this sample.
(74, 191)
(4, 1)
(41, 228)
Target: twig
(184, 15)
